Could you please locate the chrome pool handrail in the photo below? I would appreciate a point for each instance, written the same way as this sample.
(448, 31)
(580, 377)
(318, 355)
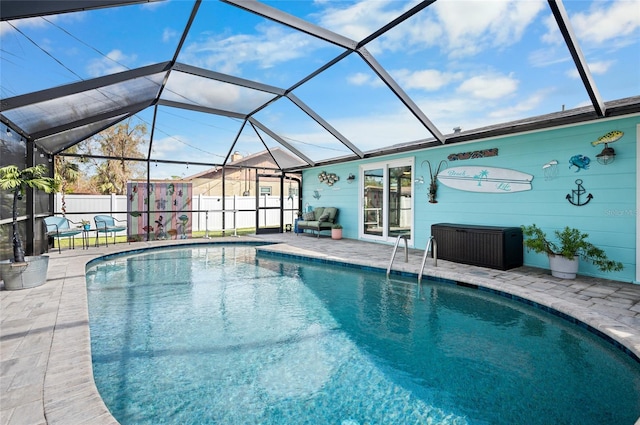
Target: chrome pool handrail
(432, 243)
(395, 249)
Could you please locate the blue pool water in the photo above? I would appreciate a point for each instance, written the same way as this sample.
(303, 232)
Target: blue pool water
(219, 335)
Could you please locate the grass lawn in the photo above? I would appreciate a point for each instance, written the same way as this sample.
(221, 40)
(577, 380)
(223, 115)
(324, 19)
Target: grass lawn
(65, 242)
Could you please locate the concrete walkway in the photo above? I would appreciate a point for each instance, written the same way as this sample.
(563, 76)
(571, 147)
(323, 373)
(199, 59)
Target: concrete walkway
(45, 366)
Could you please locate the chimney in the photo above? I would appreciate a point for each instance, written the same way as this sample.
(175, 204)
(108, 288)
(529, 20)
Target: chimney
(236, 156)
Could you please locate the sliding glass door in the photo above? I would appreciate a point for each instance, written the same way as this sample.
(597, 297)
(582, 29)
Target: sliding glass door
(373, 200)
(387, 200)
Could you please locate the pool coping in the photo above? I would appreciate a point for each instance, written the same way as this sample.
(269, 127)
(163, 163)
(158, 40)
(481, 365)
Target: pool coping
(60, 388)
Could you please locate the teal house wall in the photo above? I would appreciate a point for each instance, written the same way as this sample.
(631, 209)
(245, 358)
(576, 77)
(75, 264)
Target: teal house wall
(610, 218)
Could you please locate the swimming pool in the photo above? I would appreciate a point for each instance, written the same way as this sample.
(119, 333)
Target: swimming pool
(220, 335)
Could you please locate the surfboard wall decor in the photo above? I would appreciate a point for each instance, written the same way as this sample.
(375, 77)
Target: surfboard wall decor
(485, 179)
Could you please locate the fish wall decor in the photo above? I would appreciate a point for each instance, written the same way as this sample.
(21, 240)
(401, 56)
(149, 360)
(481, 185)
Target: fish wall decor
(610, 137)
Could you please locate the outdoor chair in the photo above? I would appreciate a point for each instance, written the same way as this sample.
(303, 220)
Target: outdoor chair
(107, 224)
(59, 227)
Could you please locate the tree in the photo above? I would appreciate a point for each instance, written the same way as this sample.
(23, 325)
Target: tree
(121, 141)
(66, 173)
(16, 181)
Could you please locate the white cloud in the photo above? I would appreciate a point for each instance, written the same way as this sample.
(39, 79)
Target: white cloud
(379, 130)
(272, 45)
(520, 109)
(596, 68)
(359, 20)
(549, 56)
(168, 147)
(471, 27)
(607, 21)
(419, 33)
(552, 36)
(115, 61)
(22, 24)
(169, 34)
(359, 79)
(460, 28)
(427, 79)
(490, 86)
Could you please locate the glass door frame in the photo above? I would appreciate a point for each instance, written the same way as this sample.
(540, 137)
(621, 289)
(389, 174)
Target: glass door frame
(385, 166)
(265, 225)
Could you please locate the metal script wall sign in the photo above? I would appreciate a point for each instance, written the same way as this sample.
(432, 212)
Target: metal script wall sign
(473, 154)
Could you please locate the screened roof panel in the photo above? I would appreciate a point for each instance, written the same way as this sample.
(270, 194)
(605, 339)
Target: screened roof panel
(378, 74)
(205, 92)
(301, 132)
(183, 135)
(608, 35)
(253, 143)
(226, 39)
(41, 116)
(353, 19)
(60, 141)
(471, 65)
(87, 44)
(360, 106)
(250, 142)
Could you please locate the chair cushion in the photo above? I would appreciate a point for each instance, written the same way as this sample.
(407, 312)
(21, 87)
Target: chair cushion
(309, 216)
(324, 216)
(332, 211)
(318, 211)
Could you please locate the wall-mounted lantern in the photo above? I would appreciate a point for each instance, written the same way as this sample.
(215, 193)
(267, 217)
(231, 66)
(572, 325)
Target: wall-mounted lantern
(607, 156)
(351, 178)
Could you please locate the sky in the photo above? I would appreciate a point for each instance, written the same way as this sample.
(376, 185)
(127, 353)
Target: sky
(465, 64)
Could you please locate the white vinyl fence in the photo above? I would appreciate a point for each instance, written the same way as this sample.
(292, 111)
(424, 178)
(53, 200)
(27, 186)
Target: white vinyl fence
(240, 211)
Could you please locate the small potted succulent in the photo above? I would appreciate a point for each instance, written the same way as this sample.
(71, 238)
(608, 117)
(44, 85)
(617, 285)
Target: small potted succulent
(564, 255)
(336, 231)
(86, 224)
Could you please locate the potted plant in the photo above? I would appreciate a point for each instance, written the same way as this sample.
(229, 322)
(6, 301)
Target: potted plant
(86, 224)
(24, 272)
(336, 231)
(571, 245)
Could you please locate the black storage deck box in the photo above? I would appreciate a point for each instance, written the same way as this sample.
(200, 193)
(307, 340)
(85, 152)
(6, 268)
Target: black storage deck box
(486, 246)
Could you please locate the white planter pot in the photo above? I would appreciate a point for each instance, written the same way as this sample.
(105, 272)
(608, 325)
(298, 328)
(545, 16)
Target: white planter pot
(563, 267)
(22, 276)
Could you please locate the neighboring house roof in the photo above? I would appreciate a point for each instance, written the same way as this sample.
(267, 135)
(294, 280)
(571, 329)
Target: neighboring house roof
(276, 157)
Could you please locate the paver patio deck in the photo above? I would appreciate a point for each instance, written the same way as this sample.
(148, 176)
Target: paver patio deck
(45, 366)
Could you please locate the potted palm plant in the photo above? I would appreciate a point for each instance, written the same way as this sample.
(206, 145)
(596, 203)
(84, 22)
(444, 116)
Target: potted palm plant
(23, 272)
(564, 255)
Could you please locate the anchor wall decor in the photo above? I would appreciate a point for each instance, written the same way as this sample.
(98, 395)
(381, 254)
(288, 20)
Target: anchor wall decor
(576, 194)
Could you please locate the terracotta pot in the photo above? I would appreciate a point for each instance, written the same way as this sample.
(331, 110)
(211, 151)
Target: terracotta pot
(563, 267)
(336, 233)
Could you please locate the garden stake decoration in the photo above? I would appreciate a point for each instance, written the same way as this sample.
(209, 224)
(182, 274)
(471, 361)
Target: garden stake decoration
(433, 186)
